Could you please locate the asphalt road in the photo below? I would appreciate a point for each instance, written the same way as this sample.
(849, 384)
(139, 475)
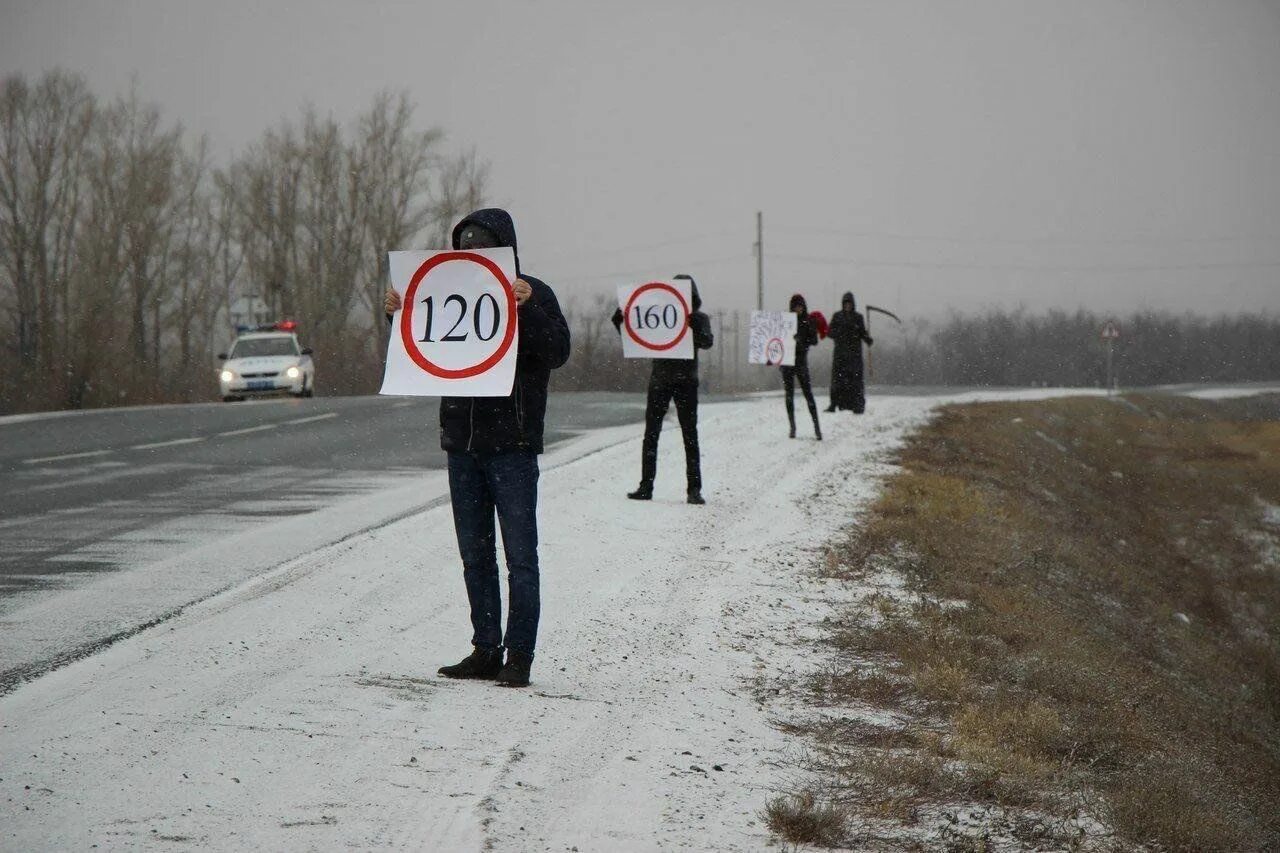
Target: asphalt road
(73, 487)
(88, 492)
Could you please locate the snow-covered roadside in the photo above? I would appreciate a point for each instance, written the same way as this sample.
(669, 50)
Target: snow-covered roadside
(300, 710)
(1220, 392)
(1234, 392)
(186, 560)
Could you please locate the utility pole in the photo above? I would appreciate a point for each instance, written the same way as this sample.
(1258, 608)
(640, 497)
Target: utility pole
(759, 261)
(737, 335)
(723, 343)
(1110, 380)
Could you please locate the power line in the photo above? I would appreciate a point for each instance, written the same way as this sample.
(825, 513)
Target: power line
(648, 270)
(681, 241)
(1097, 268)
(1027, 241)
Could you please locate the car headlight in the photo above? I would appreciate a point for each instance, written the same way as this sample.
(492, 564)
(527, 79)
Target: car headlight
(293, 372)
(226, 376)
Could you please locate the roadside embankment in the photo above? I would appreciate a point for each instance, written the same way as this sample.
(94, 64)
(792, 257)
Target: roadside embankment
(1066, 635)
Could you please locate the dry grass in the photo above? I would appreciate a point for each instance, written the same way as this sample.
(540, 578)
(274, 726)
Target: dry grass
(802, 819)
(1097, 627)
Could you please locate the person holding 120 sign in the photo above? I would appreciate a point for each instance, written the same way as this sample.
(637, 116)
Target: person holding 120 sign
(493, 445)
(672, 379)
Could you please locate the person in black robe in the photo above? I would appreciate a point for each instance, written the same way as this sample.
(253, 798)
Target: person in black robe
(806, 336)
(848, 331)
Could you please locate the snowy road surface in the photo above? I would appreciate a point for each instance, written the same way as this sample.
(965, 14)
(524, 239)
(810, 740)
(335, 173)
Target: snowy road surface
(300, 709)
(111, 519)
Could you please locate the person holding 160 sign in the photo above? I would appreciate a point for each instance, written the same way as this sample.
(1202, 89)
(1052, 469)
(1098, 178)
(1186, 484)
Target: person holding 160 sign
(493, 445)
(672, 379)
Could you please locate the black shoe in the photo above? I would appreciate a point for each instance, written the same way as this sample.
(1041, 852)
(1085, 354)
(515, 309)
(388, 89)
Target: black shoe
(695, 497)
(644, 493)
(829, 409)
(516, 672)
(817, 432)
(793, 432)
(481, 663)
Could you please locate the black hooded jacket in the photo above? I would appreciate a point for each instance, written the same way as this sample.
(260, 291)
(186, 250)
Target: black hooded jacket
(671, 371)
(500, 424)
(848, 329)
(806, 334)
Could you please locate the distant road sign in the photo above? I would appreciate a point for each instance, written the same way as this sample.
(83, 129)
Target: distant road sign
(1110, 331)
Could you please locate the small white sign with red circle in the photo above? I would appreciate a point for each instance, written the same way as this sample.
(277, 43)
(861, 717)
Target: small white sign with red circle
(456, 333)
(772, 339)
(655, 319)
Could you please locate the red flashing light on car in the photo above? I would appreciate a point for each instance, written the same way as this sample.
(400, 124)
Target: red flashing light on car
(278, 326)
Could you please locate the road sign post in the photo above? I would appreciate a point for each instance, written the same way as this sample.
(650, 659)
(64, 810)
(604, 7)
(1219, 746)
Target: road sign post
(1109, 334)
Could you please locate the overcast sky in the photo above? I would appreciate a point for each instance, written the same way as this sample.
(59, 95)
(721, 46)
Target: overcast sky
(1115, 154)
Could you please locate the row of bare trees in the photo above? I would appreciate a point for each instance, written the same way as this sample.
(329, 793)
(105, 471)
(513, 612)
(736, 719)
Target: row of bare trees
(1064, 348)
(123, 247)
(1008, 348)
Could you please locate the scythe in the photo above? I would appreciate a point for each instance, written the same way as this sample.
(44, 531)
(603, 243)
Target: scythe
(898, 320)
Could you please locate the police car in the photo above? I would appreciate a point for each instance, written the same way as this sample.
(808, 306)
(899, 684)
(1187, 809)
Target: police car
(267, 360)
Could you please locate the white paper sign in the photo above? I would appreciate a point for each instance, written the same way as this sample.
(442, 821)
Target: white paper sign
(455, 334)
(655, 319)
(773, 338)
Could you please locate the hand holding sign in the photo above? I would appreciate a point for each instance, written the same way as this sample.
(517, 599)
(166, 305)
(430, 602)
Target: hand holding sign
(455, 334)
(656, 319)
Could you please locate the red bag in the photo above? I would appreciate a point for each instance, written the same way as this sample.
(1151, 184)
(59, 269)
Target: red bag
(819, 324)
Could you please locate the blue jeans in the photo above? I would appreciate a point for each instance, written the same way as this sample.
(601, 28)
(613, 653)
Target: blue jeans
(479, 484)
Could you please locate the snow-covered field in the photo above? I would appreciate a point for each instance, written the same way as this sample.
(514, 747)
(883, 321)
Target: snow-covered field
(301, 710)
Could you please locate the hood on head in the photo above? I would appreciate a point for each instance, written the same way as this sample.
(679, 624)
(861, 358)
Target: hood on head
(496, 220)
(848, 297)
(693, 289)
(798, 304)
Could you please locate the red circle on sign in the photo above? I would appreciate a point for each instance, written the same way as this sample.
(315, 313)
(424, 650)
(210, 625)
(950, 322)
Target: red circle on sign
(406, 317)
(626, 315)
(782, 350)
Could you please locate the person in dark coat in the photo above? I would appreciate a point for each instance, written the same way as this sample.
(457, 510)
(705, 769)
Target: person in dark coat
(493, 445)
(806, 336)
(674, 379)
(848, 331)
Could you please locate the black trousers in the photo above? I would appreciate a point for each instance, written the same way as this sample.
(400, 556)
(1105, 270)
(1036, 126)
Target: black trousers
(685, 394)
(789, 377)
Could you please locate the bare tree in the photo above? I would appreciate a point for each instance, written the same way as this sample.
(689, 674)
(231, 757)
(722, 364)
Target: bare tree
(319, 209)
(462, 186)
(145, 197)
(44, 133)
(262, 185)
(395, 164)
(120, 247)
